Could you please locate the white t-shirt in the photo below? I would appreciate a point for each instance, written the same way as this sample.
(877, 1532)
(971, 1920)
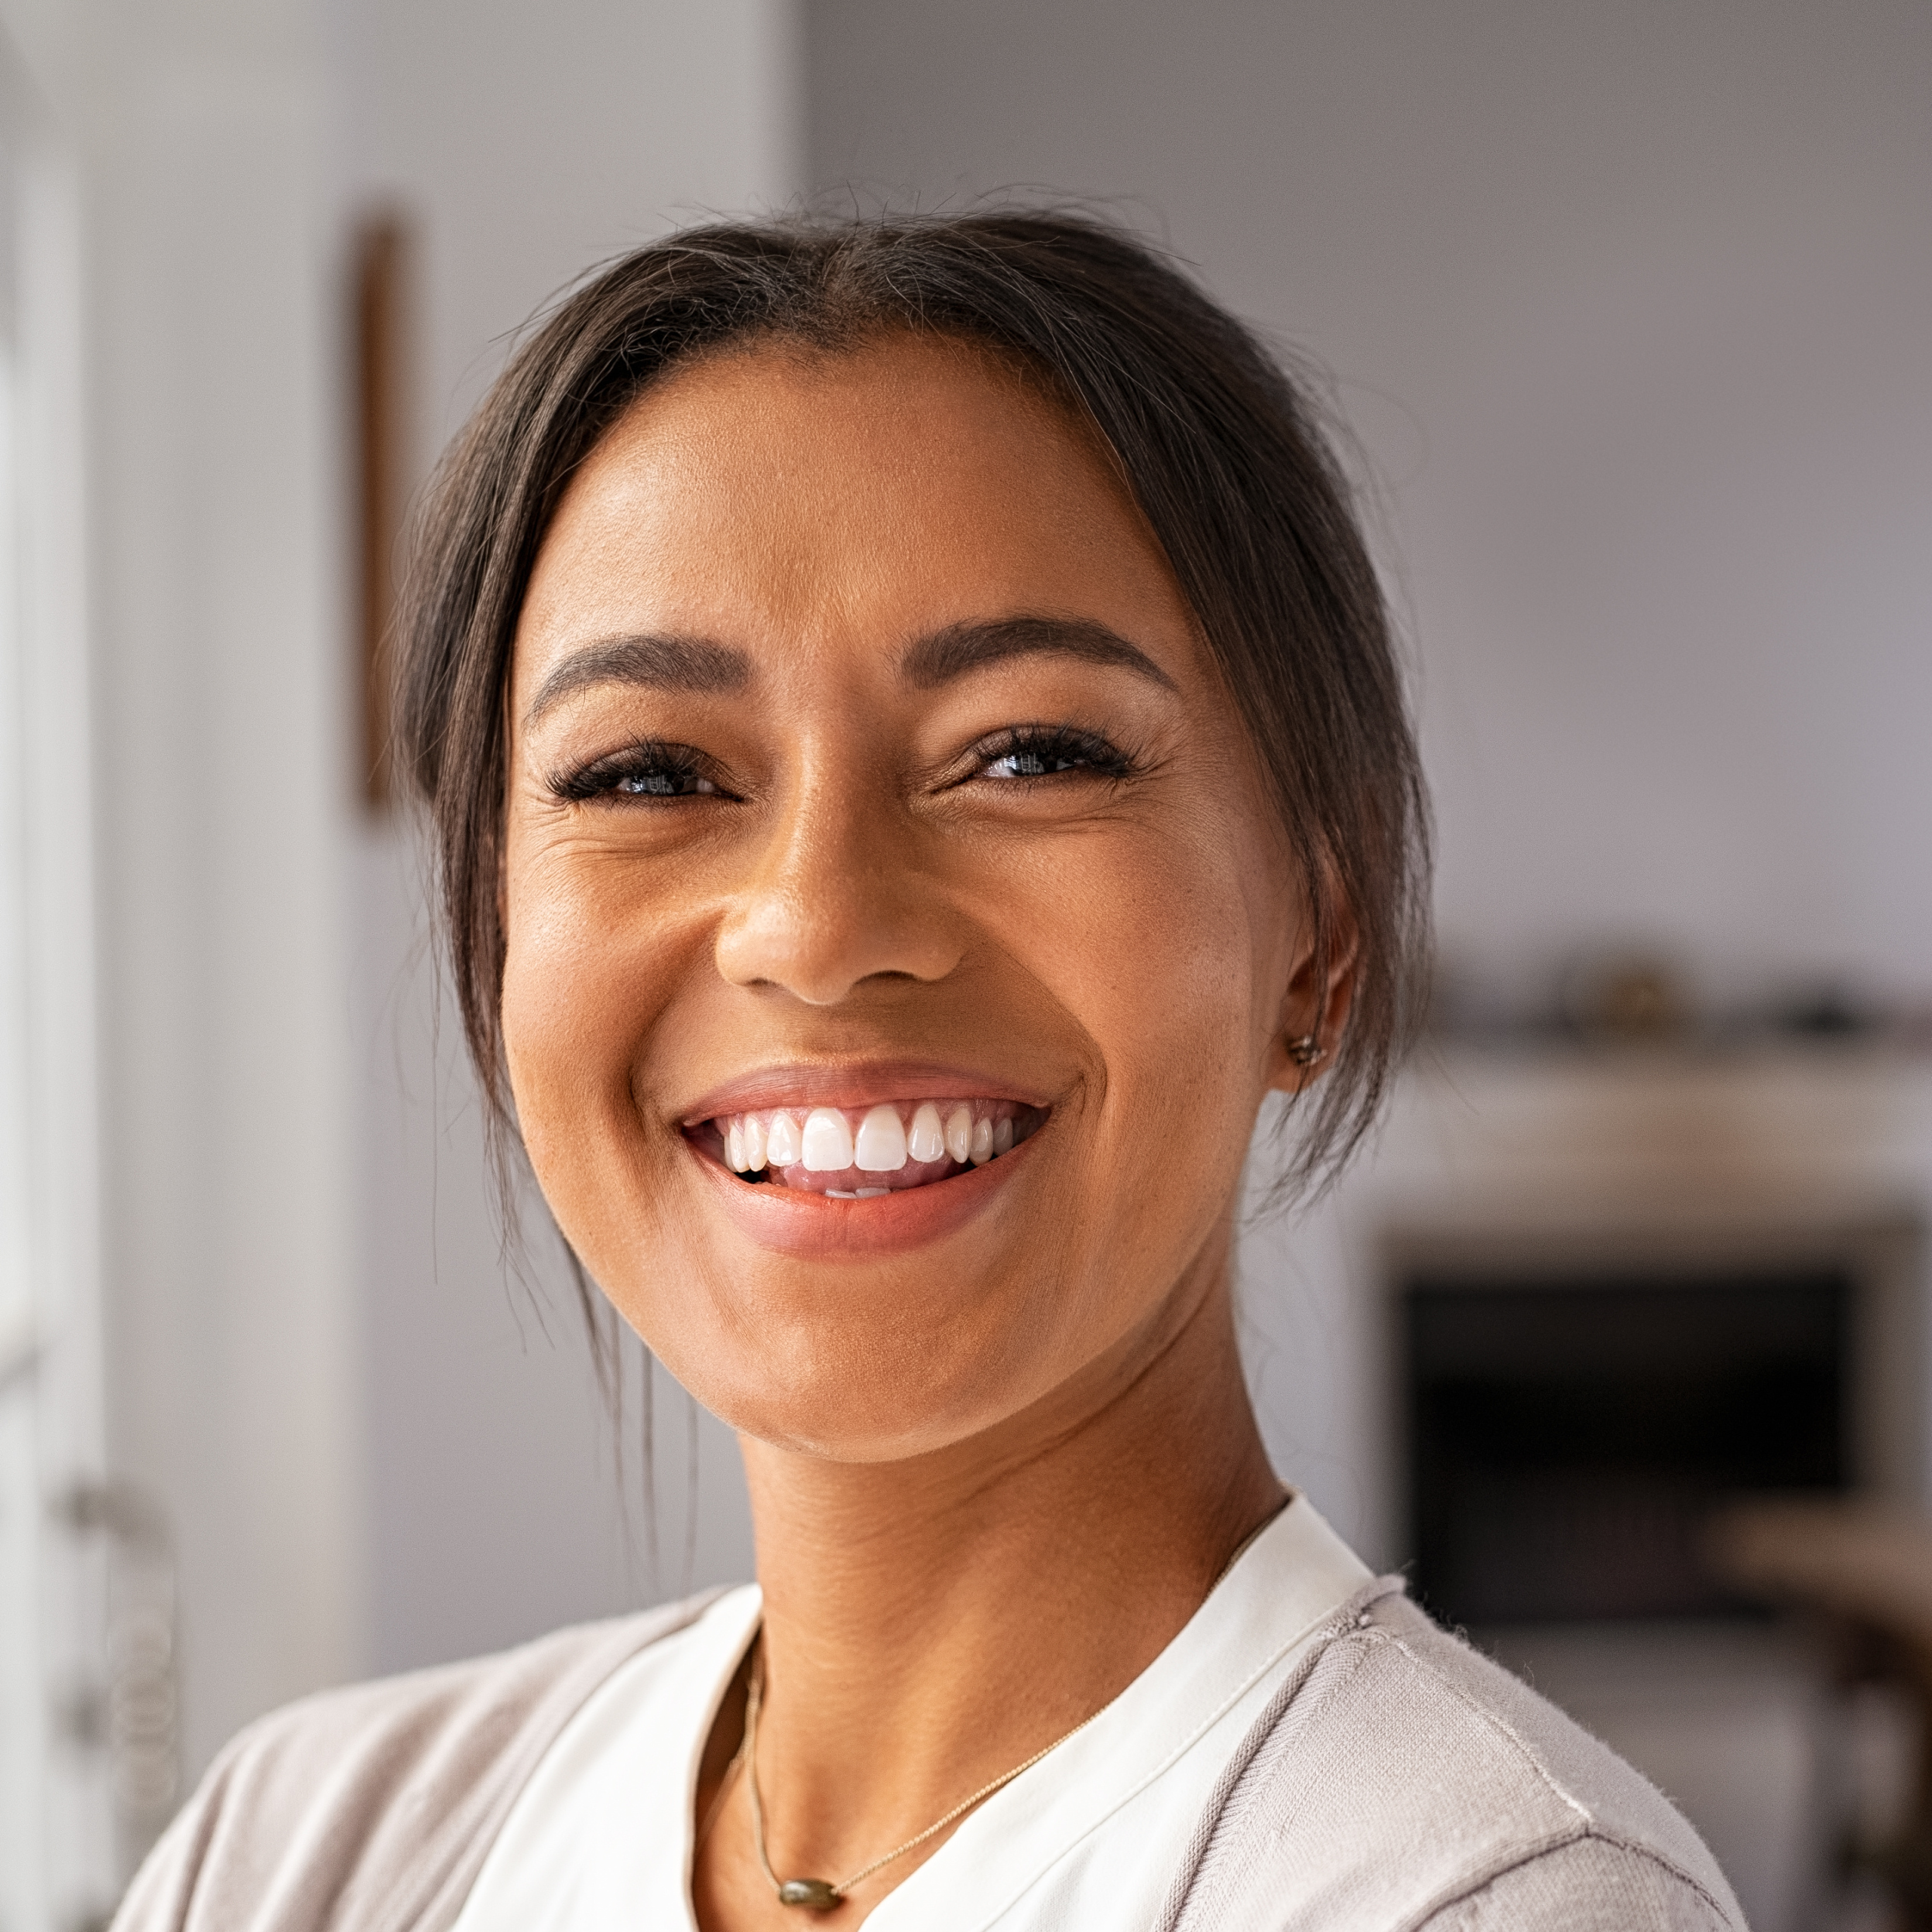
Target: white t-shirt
(601, 1837)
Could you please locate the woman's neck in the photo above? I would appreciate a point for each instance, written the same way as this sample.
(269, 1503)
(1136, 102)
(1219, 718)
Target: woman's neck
(932, 1623)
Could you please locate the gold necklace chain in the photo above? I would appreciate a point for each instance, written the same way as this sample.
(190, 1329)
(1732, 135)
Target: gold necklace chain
(820, 1894)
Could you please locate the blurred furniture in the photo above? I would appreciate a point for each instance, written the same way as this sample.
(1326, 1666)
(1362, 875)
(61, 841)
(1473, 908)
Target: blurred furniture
(1860, 1569)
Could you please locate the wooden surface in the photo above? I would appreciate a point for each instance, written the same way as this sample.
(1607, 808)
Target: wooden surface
(1854, 1557)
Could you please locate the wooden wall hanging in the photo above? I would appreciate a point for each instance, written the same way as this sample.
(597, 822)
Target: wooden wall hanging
(382, 260)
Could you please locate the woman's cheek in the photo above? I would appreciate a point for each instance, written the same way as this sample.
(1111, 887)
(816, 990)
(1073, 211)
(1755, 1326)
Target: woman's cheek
(577, 1001)
(1146, 944)
(1163, 958)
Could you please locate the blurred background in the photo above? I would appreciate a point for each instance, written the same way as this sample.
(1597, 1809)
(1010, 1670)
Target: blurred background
(1616, 1338)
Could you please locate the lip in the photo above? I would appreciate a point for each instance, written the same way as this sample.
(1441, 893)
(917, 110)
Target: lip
(818, 1228)
(818, 1084)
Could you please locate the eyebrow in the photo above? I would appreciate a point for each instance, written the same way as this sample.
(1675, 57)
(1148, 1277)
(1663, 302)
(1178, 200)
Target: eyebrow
(942, 655)
(691, 665)
(697, 666)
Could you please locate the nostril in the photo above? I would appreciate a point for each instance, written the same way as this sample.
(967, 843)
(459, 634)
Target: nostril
(821, 938)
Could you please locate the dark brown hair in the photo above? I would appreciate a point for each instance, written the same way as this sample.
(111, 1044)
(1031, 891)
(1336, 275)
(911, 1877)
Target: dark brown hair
(1219, 444)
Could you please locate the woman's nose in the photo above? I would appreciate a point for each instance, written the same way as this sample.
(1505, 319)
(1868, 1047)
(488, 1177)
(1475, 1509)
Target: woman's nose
(838, 897)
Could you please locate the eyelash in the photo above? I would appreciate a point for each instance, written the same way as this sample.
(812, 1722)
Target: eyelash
(1050, 751)
(656, 770)
(649, 770)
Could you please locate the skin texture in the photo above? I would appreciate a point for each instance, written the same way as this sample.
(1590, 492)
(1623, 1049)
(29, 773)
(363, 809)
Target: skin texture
(998, 1456)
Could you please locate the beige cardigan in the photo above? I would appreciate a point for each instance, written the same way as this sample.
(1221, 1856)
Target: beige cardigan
(1397, 1780)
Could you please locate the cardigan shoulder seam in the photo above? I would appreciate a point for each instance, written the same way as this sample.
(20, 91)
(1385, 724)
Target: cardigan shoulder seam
(1588, 1833)
(1590, 1824)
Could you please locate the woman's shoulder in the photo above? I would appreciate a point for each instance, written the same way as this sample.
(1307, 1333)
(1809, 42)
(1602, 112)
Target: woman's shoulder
(372, 1805)
(1404, 1778)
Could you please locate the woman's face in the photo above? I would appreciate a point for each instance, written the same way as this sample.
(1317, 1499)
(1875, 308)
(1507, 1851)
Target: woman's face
(874, 806)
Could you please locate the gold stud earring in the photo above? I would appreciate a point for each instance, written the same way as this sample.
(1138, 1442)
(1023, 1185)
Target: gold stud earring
(1305, 1050)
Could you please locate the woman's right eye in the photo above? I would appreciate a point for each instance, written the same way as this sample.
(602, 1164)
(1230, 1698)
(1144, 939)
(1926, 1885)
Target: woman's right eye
(642, 771)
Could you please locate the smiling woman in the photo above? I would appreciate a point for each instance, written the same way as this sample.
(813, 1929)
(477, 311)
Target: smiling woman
(917, 759)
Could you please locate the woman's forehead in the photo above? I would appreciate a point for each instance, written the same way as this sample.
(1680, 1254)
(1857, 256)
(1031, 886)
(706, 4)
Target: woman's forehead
(910, 482)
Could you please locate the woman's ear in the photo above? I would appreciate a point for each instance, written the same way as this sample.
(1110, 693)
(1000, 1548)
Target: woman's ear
(1321, 990)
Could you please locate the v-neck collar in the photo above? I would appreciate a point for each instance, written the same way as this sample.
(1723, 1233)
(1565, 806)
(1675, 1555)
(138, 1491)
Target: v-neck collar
(1277, 1597)
(1288, 1582)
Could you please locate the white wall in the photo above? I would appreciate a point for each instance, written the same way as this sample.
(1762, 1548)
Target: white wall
(527, 144)
(220, 818)
(1630, 304)
(58, 1849)
(534, 142)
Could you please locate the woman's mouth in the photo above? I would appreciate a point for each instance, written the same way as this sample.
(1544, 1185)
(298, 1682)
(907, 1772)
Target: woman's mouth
(862, 1152)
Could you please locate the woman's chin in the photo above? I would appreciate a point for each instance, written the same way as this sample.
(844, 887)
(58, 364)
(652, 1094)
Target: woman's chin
(855, 1363)
(905, 1408)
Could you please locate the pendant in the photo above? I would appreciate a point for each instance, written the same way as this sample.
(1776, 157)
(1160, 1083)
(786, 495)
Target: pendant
(815, 1894)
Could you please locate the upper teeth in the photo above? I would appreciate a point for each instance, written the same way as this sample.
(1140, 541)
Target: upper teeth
(925, 1138)
(875, 1140)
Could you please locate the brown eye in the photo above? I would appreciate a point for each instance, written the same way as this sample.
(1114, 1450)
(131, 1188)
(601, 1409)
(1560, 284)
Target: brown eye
(662, 783)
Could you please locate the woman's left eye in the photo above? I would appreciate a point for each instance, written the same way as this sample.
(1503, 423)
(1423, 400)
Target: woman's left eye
(662, 783)
(1034, 751)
